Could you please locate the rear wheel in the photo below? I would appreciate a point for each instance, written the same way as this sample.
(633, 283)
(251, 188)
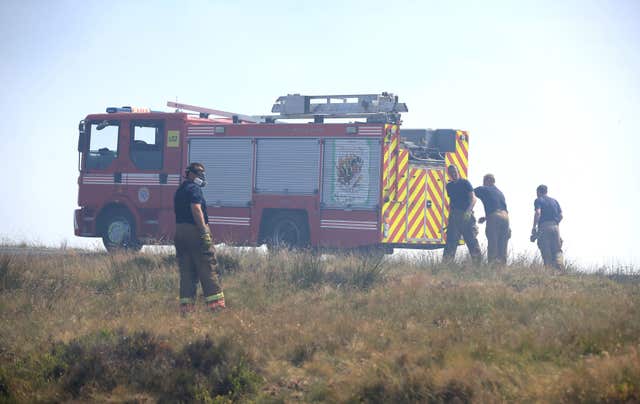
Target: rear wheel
(119, 233)
(288, 230)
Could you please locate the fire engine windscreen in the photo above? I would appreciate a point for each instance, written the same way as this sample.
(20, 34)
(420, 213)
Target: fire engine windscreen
(103, 144)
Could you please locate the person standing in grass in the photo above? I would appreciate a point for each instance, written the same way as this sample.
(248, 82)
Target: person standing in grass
(194, 245)
(461, 220)
(497, 218)
(546, 221)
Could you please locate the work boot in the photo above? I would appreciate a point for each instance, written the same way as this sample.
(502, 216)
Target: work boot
(187, 308)
(216, 305)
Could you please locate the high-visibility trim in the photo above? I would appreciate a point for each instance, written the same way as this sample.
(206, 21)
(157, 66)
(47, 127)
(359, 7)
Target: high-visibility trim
(187, 300)
(403, 166)
(215, 297)
(230, 220)
(369, 130)
(417, 203)
(139, 179)
(348, 224)
(394, 222)
(459, 158)
(434, 214)
(393, 151)
(397, 232)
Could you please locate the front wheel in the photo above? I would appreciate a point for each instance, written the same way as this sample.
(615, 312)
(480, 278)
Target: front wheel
(119, 234)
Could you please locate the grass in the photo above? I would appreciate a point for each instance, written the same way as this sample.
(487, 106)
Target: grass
(79, 326)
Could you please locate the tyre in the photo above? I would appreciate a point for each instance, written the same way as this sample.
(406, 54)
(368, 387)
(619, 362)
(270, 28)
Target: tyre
(119, 233)
(288, 230)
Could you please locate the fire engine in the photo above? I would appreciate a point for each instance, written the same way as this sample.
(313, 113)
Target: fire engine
(326, 171)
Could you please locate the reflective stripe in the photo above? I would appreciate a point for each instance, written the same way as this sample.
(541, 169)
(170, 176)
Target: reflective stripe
(212, 298)
(187, 300)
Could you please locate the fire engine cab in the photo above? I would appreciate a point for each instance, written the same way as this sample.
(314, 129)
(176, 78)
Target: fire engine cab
(328, 171)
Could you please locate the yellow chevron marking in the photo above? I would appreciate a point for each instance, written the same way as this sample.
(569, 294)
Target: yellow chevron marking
(417, 203)
(400, 225)
(464, 146)
(400, 237)
(413, 211)
(394, 143)
(453, 159)
(394, 208)
(393, 225)
(461, 155)
(392, 229)
(417, 231)
(433, 224)
(404, 160)
(437, 191)
(420, 203)
(392, 168)
(412, 196)
(418, 226)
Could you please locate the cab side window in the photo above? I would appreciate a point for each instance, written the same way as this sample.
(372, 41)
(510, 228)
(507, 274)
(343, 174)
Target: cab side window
(103, 144)
(146, 144)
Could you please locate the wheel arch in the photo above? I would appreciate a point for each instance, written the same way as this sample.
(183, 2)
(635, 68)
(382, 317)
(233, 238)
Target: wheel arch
(270, 214)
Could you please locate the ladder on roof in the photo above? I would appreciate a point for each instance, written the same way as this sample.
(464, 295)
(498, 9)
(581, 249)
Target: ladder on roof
(383, 108)
(205, 112)
(376, 108)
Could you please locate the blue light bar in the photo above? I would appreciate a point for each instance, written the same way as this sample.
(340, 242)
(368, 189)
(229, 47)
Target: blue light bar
(113, 110)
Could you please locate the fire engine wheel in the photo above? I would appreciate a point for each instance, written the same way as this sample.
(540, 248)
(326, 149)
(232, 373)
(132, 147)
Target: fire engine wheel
(119, 234)
(288, 231)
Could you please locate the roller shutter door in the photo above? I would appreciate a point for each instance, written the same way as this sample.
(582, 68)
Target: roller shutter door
(288, 166)
(228, 164)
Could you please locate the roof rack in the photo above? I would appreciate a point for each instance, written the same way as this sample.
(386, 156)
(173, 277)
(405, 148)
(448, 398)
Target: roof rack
(376, 108)
(380, 108)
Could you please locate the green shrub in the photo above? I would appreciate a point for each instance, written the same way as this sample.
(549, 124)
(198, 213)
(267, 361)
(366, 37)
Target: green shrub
(144, 362)
(10, 273)
(358, 271)
(307, 270)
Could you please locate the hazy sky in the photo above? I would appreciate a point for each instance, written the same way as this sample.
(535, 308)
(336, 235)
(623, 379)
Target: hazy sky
(549, 91)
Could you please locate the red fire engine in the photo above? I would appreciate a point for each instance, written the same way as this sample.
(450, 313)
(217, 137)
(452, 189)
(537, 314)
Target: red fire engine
(295, 178)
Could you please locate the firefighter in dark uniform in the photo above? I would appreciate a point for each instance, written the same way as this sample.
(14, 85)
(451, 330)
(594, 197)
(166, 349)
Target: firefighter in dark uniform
(461, 220)
(194, 246)
(546, 230)
(497, 218)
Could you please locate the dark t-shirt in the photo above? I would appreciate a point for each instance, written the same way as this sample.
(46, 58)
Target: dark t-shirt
(458, 192)
(492, 198)
(186, 194)
(549, 209)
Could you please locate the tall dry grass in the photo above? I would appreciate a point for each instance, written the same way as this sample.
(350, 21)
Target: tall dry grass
(344, 328)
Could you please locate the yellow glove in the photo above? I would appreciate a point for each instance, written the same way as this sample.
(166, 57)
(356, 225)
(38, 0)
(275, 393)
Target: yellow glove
(206, 240)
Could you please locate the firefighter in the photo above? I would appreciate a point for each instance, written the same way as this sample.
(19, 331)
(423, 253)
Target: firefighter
(546, 220)
(194, 246)
(461, 219)
(497, 218)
